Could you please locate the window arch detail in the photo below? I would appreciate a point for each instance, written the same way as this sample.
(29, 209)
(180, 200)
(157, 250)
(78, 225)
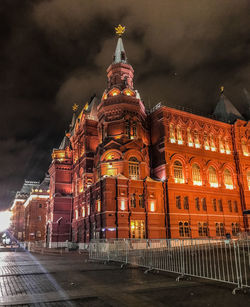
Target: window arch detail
(196, 174)
(178, 172)
(212, 177)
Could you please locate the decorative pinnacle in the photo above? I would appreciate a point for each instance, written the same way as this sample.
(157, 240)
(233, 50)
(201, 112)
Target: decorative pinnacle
(222, 89)
(119, 30)
(75, 107)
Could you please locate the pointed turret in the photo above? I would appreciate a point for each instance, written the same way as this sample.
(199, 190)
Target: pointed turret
(225, 110)
(120, 72)
(120, 54)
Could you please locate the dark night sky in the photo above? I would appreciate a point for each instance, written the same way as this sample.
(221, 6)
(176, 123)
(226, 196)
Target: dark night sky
(55, 53)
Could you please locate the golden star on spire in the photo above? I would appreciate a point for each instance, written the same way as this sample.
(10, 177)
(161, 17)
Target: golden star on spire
(119, 30)
(75, 107)
(222, 89)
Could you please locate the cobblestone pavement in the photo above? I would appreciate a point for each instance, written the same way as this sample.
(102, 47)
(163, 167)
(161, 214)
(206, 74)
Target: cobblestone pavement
(70, 280)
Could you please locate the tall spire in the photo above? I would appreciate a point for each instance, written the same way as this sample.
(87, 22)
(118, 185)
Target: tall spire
(225, 111)
(120, 72)
(120, 54)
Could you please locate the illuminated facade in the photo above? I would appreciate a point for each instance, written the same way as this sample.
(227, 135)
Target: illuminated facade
(124, 172)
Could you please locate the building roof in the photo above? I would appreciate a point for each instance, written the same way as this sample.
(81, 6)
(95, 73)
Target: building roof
(120, 54)
(225, 111)
(45, 183)
(65, 143)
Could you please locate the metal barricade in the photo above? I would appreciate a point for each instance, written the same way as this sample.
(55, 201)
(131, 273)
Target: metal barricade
(215, 259)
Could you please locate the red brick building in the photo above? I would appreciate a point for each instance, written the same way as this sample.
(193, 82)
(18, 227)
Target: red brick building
(124, 172)
(35, 212)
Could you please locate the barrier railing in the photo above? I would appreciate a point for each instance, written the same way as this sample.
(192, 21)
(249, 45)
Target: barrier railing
(215, 259)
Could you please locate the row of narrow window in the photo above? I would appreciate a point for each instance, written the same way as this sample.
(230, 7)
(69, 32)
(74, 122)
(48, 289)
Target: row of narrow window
(197, 176)
(203, 229)
(202, 203)
(175, 136)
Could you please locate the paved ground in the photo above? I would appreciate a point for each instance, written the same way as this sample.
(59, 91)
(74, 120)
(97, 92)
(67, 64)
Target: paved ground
(70, 280)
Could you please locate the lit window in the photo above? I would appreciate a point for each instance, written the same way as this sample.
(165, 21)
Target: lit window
(206, 142)
(244, 148)
(152, 206)
(212, 177)
(228, 180)
(104, 96)
(128, 92)
(221, 145)
(114, 92)
(178, 172)
(196, 140)
(189, 138)
(98, 205)
(123, 205)
(76, 214)
(171, 134)
(213, 148)
(179, 136)
(88, 209)
(137, 229)
(83, 212)
(248, 179)
(228, 151)
(133, 168)
(196, 173)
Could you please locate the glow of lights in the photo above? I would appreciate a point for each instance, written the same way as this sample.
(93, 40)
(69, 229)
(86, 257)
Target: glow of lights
(197, 145)
(180, 142)
(197, 183)
(111, 229)
(152, 206)
(99, 206)
(190, 144)
(122, 205)
(88, 210)
(172, 140)
(222, 151)
(128, 92)
(228, 152)
(179, 180)
(207, 147)
(245, 153)
(5, 220)
(213, 148)
(214, 185)
(76, 211)
(229, 186)
(110, 165)
(83, 212)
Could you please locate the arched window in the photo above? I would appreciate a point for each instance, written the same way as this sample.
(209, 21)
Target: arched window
(179, 136)
(189, 138)
(178, 172)
(228, 180)
(212, 177)
(184, 230)
(181, 229)
(244, 148)
(214, 204)
(235, 229)
(196, 173)
(171, 134)
(197, 203)
(203, 229)
(220, 229)
(235, 206)
(204, 203)
(178, 202)
(229, 202)
(220, 205)
(133, 168)
(248, 179)
(186, 203)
